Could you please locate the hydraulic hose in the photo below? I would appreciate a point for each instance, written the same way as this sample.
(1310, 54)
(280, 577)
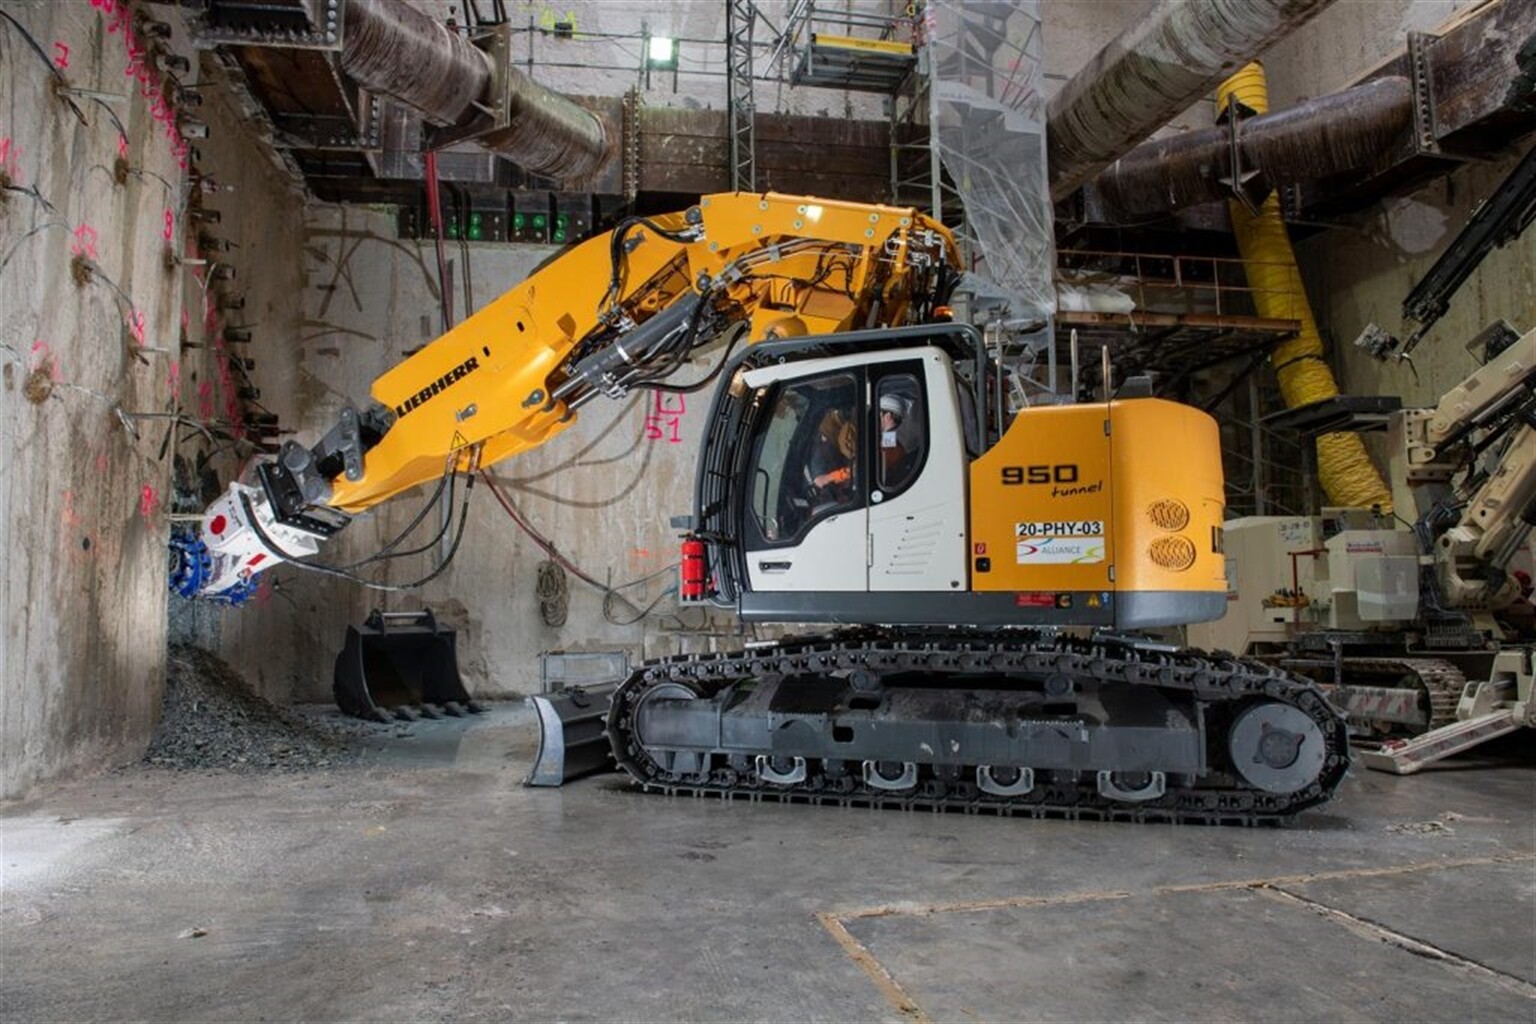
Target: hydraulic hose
(1345, 470)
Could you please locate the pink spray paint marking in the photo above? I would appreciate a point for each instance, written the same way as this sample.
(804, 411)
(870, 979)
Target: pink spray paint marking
(44, 359)
(85, 242)
(10, 159)
(205, 401)
(122, 146)
(168, 231)
(60, 55)
(135, 68)
(149, 501)
(118, 17)
(136, 324)
(173, 380)
(68, 515)
(665, 422)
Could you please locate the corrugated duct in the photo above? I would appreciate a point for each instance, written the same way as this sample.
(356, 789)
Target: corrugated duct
(1343, 467)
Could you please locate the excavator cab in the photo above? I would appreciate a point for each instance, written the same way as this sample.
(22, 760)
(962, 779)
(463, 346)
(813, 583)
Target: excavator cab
(843, 500)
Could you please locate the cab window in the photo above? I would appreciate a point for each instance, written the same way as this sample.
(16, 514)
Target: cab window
(806, 465)
(902, 437)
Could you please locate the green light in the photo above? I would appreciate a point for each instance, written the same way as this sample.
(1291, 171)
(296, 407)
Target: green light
(562, 220)
(539, 220)
(476, 227)
(518, 221)
(453, 227)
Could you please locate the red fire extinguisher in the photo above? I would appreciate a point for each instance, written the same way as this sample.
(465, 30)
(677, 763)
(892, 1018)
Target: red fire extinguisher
(692, 571)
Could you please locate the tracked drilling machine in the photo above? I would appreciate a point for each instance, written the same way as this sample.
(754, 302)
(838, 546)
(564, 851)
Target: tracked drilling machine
(1406, 625)
(860, 471)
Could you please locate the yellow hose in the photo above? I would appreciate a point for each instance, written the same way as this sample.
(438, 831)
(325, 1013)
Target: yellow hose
(1345, 470)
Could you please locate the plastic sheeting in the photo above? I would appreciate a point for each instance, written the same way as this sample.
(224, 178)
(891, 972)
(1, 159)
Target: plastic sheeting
(988, 124)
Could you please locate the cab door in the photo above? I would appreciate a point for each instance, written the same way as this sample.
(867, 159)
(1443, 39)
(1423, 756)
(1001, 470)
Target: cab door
(917, 495)
(805, 526)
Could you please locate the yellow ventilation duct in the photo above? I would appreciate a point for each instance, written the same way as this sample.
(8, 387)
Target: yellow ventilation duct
(1344, 468)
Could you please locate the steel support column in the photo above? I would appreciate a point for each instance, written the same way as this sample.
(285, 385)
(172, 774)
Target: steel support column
(740, 106)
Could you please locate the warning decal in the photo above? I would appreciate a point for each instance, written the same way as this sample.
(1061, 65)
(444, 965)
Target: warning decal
(459, 441)
(1061, 542)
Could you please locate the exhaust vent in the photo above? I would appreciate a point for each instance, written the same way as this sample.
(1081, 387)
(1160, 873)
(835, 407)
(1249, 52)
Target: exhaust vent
(1168, 514)
(1173, 553)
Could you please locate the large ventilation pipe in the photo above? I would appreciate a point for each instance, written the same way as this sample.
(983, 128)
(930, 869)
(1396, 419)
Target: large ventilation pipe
(1154, 70)
(1326, 136)
(393, 49)
(1301, 367)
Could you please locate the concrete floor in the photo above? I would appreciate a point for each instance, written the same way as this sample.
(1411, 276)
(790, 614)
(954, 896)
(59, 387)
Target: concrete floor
(430, 885)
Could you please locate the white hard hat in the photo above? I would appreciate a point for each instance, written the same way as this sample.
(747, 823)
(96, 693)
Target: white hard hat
(894, 404)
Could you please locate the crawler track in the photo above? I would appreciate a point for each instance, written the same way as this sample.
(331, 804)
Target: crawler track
(1217, 689)
(1438, 680)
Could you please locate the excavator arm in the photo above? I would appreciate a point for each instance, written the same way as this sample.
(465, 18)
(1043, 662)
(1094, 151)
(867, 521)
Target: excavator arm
(1477, 519)
(621, 310)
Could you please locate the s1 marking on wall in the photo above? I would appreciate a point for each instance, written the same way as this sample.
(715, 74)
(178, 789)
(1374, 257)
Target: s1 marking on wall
(1064, 542)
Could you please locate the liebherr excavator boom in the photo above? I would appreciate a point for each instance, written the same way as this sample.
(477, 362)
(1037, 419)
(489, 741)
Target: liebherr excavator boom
(859, 469)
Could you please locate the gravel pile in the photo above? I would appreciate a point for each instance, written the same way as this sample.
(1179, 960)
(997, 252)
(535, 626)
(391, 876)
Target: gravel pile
(211, 719)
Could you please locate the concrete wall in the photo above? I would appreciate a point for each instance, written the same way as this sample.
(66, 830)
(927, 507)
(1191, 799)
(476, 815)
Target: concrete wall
(1347, 40)
(1361, 277)
(88, 319)
(87, 501)
(295, 621)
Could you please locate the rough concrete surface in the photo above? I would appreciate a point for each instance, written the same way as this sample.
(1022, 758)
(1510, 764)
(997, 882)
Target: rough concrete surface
(87, 309)
(427, 884)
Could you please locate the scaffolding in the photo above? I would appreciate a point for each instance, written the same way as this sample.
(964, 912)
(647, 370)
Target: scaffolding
(844, 49)
(740, 15)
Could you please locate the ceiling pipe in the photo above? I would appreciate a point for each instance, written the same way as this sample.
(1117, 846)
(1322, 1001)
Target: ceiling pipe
(1154, 70)
(1329, 135)
(392, 49)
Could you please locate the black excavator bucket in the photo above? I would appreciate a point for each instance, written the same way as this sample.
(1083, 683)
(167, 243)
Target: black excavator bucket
(401, 665)
(572, 740)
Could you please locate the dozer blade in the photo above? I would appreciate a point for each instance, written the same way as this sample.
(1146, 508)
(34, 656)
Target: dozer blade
(400, 665)
(572, 737)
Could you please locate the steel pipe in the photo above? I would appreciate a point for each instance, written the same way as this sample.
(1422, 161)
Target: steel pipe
(1317, 139)
(1154, 70)
(548, 133)
(392, 49)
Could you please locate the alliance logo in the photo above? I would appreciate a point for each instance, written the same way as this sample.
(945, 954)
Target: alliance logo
(438, 386)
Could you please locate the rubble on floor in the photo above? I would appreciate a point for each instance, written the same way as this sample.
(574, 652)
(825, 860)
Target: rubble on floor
(212, 720)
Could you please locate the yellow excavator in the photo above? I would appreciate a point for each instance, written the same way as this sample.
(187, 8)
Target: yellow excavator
(979, 573)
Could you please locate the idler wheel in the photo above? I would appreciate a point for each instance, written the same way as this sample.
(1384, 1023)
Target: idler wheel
(1277, 747)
